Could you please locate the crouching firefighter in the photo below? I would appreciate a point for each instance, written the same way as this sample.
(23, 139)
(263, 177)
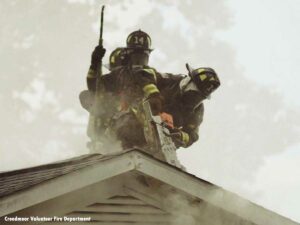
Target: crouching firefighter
(184, 96)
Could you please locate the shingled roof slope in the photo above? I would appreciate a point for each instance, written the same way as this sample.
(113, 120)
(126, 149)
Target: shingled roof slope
(13, 181)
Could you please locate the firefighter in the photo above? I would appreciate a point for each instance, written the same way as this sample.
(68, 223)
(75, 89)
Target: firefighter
(184, 97)
(134, 82)
(130, 80)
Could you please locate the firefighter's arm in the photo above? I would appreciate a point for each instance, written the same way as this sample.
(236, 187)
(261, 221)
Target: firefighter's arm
(96, 58)
(180, 137)
(91, 80)
(87, 97)
(190, 131)
(108, 81)
(146, 78)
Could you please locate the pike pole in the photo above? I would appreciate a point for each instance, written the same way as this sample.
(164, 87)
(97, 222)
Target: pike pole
(95, 123)
(99, 67)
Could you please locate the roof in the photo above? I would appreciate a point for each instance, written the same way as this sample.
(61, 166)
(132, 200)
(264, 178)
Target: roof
(16, 180)
(13, 181)
(21, 189)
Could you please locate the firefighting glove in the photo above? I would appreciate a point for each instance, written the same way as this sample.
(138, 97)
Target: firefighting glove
(179, 137)
(156, 103)
(97, 56)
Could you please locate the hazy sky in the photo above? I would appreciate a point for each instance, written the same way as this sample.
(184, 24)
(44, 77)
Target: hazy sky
(249, 141)
(265, 36)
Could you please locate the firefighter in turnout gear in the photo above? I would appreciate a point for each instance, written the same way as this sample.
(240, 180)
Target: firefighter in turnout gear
(184, 97)
(130, 81)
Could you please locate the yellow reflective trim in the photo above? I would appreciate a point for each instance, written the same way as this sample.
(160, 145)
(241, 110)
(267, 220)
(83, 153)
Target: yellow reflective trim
(151, 71)
(202, 77)
(185, 137)
(129, 38)
(200, 70)
(91, 74)
(134, 110)
(117, 52)
(113, 57)
(149, 41)
(150, 89)
(212, 78)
